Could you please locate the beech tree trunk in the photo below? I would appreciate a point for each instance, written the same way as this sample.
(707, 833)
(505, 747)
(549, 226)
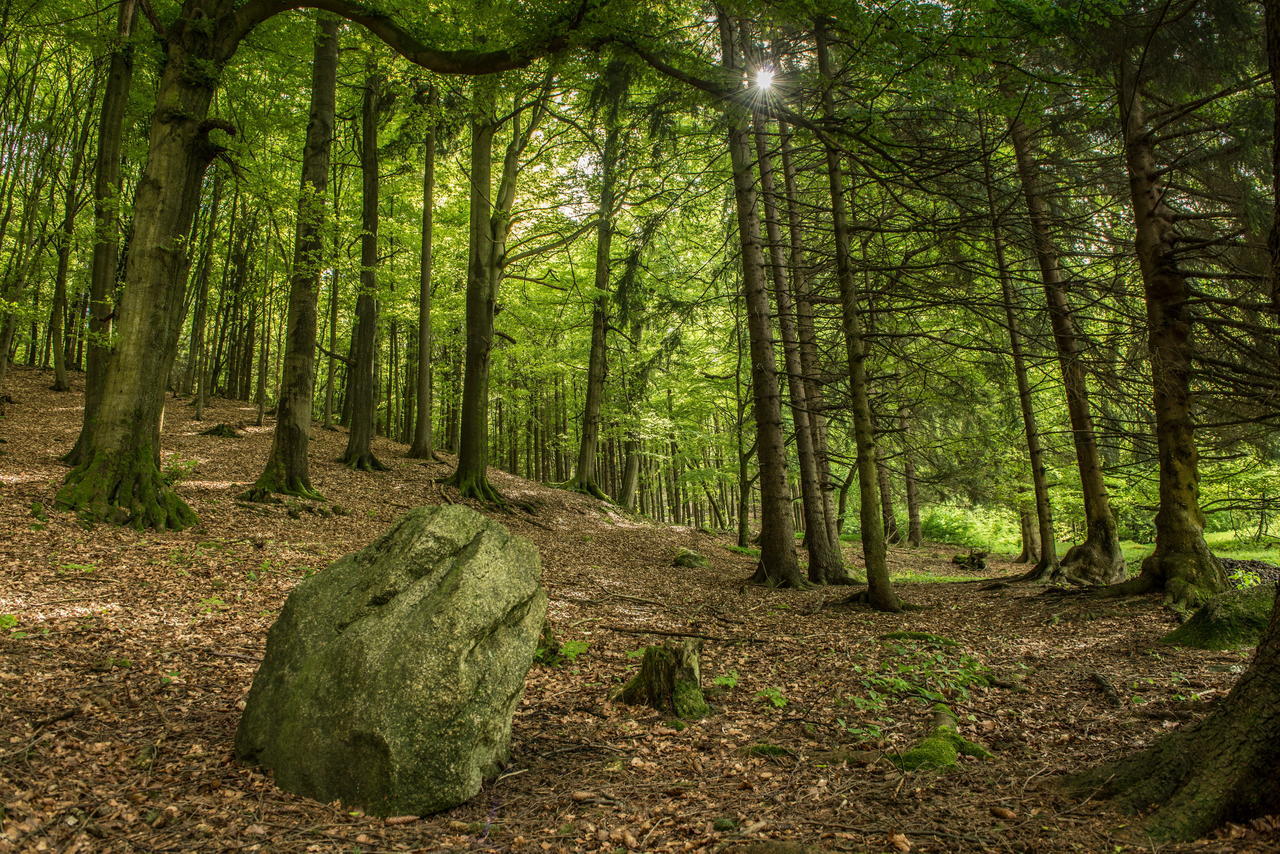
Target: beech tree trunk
(287, 470)
(880, 593)
(423, 446)
(1097, 560)
(1181, 565)
(777, 566)
(584, 475)
(361, 386)
(106, 224)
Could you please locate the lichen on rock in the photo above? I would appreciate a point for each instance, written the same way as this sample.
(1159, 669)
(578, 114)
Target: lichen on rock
(391, 677)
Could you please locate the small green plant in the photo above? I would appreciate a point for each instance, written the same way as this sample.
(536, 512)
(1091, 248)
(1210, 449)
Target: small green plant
(170, 677)
(860, 734)
(79, 567)
(256, 575)
(773, 696)
(1244, 579)
(175, 469)
(209, 604)
(728, 681)
(570, 650)
(9, 624)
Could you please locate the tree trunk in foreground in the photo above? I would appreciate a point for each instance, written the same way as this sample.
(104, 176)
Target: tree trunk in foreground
(423, 447)
(359, 452)
(879, 593)
(287, 470)
(1097, 560)
(777, 566)
(1220, 769)
(1182, 565)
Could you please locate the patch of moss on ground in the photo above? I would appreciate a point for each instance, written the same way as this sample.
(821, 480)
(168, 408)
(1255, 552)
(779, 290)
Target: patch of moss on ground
(1230, 621)
(940, 748)
(923, 637)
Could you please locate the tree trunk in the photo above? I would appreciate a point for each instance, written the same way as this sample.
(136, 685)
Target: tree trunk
(879, 593)
(1097, 560)
(1182, 565)
(287, 470)
(584, 475)
(777, 566)
(1220, 769)
(825, 563)
(361, 389)
(422, 447)
(1046, 562)
(119, 477)
(892, 536)
(670, 680)
(915, 537)
(106, 224)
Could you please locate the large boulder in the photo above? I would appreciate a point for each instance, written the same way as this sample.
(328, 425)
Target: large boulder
(391, 677)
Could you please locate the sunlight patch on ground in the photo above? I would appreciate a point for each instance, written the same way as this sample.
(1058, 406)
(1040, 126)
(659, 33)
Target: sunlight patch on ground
(20, 478)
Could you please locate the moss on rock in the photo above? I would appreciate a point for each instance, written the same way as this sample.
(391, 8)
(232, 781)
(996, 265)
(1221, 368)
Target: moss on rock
(689, 559)
(1232, 620)
(390, 679)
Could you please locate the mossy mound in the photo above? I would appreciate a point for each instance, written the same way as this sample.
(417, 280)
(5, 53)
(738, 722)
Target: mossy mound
(941, 747)
(922, 637)
(223, 431)
(1235, 619)
(689, 559)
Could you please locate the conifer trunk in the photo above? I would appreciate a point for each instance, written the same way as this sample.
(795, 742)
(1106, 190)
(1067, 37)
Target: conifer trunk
(777, 566)
(1181, 565)
(880, 593)
(1097, 560)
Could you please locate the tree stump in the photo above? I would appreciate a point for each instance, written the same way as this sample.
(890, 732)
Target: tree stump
(669, 680)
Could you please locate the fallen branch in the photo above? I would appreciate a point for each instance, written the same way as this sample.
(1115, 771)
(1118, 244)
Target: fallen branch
(667, 634)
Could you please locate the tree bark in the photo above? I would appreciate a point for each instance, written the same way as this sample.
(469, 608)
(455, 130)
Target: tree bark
(915, 536)
(825, 563)
(361, 387)
(287, 470)
(1097, 560)
(777, 566)
(1220, 769)
(880, 593)
(106, 223)
(423, 440)
(584, 475)
(1181, 565)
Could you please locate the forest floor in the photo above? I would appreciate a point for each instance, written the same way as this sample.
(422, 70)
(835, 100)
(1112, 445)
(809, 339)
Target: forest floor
(129, 656)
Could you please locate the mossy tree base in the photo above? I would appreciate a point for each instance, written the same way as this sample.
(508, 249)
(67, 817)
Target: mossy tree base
(791, 580)
(942, 747)
(670, 681)
(1233, 620)
(1217, 770)
(364, 461)
(1098, 560)
(125, 489)
(275, 482)
(879, 600)
(476, 487)
(585, 487)
(1188, 578)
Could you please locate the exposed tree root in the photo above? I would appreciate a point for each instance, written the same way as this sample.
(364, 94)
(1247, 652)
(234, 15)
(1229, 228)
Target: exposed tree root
(789, 581)
(878, 601)
(364, 461)
(941, 747)
(1098, 560)
(273, 482)
(477, 488)
(125, 490)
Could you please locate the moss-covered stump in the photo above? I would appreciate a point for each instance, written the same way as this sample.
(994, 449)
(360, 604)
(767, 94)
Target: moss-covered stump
(1232, 620)
(941, 747)
(224, 431)
(391, 677)
(689, 559)
(670, 680)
